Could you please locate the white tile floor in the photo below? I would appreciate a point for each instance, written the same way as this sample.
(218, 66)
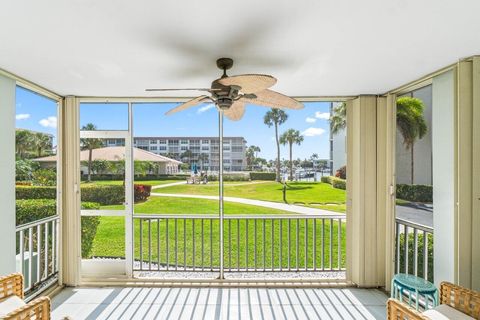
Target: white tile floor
(218, 303)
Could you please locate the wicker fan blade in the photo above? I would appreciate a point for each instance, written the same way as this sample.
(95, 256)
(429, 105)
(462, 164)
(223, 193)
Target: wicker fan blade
(250, 83)
(185, 89)
(188, 104)
(273, 99)
(236, 111)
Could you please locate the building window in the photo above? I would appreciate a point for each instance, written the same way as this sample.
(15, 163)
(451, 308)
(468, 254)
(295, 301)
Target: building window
(162, 148)
(184, 142)
(205, 148)
(237, 149)
(153, 141)
(205, 141)
(153, 148)
(162, 141)
(183, 148)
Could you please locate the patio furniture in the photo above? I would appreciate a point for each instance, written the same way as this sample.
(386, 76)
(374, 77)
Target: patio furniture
(416, 287)
(455, 303)
(12, 305)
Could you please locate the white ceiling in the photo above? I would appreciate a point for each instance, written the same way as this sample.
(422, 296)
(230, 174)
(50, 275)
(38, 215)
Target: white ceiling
(313, 47)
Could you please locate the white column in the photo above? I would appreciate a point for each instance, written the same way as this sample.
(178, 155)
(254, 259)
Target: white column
(7, 174)
(71, 225)
(443, 149)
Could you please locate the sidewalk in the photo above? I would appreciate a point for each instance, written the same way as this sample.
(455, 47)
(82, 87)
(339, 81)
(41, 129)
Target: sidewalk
(259, 203)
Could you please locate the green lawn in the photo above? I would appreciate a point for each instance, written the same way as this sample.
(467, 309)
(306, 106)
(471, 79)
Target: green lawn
(314, 194)
(110, 241)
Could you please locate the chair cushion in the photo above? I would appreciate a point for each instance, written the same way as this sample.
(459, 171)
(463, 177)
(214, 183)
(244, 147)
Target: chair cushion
(444, 312)
(10, 304)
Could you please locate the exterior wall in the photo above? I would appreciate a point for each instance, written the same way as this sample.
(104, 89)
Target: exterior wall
(234, 158)
(422, 151)
(443, 144)
(7, 172)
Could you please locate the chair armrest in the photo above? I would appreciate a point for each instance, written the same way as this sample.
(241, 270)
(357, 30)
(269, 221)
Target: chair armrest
(462, 299)
(10, 285)
(38, 309)
(397, 310)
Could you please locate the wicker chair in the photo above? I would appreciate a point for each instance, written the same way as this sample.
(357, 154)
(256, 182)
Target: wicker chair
(11, 296)
(455, 297)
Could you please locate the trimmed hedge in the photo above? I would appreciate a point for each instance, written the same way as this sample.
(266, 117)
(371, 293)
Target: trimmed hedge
(269, 176)
(415, 192)
(230, 177)
(420, 258)
(102, 194)
(35, 192)
(29, 210)
(335, 182)
(147, 177)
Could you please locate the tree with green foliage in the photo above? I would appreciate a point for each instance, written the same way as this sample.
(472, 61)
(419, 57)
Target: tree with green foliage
(291, 137)
(90, 144)
(99, 166)
(276, 117)
(23, 142)
(411, 124)
(202, 158)
(251, 156)
(41, 143)
(338, 118)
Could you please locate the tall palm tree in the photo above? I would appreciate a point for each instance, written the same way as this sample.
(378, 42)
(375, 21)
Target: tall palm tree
(23, 142)
(411, 124)
(251, 155)
(290, 137)
(276, 117)
(41, 143)
(90, 144)
(338, 118)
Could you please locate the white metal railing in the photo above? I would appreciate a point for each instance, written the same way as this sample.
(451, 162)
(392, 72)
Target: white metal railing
(250, 243)
(413, 249)
(37, 252)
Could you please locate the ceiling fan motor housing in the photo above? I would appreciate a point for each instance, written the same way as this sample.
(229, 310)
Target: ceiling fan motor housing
(224, 103)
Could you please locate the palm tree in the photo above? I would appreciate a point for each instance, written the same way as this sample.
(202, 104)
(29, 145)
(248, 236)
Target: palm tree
(90, 144)
(276, 117)
(188, 154)
(23, 141)
(251, 155)
(338, 118)
(290, 137)
(41, 142)
(411, 124)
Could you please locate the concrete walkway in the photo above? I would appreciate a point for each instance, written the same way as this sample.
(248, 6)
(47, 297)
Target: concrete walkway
(166, 185)
(259, 203)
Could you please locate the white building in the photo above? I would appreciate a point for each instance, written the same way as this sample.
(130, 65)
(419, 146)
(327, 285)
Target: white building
(338, 141)
(233, 147)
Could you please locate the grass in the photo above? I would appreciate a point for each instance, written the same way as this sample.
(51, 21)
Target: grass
(191, 250)
(312, 194)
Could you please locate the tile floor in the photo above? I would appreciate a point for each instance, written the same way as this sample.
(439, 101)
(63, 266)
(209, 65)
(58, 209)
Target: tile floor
(218, 303)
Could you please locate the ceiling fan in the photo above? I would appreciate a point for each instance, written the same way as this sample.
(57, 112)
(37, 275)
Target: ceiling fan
(231, 93)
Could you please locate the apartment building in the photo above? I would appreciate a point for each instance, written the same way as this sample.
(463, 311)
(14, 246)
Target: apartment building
(204, 151)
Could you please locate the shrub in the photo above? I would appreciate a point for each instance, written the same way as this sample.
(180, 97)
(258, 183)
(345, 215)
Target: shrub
(270, 176)
(341, 173)
(415, 192)
(104, 195)
(339, 183)
(24, 169)
(326, 179)
(230, 177)
(44, 177)
(142, 192)
(35, 192)
(89, 228)
(420, 257)
(28, 210)
(147, 177)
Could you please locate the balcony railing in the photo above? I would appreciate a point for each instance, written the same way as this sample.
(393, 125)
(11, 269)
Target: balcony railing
(253, 243)
(37, 253)
(414, 249)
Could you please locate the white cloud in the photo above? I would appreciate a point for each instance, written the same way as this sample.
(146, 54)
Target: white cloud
(22, 116)
(322, 115)
(310, 120)
(50, 122)
(205, 108)
(313, 132)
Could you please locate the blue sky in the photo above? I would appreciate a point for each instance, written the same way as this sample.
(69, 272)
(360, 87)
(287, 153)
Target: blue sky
(39, 113)
(35, 112)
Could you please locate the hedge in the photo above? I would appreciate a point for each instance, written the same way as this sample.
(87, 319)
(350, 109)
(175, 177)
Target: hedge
(102, 194)
(147, 177)
(29, 210)
(420, 258)
(415, 192)
(230, 177)
(335, 182)
(269, 176)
